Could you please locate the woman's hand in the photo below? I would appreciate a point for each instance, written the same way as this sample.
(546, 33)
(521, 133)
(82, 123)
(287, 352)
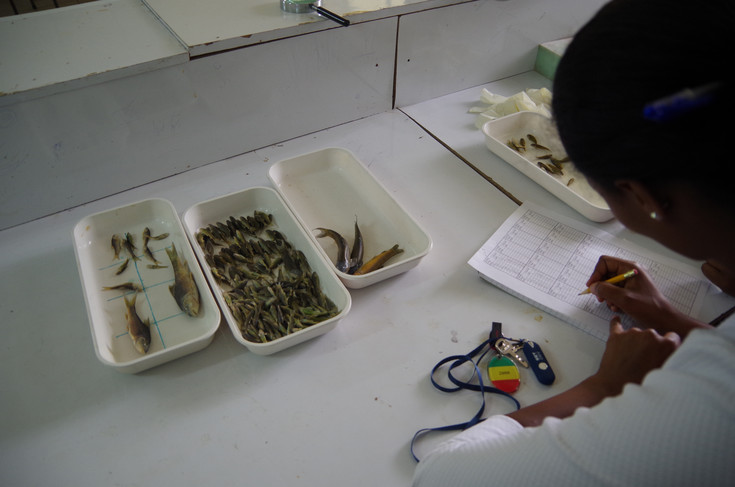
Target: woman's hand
(630, 355)
(638, 297)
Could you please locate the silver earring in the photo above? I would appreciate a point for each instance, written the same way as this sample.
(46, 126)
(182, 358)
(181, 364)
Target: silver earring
(654, 216)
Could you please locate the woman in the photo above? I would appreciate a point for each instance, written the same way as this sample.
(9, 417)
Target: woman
(661, 408)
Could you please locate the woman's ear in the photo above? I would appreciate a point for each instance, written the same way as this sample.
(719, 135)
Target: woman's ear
(639, 196)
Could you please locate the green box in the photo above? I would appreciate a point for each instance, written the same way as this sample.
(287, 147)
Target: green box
(548, 56)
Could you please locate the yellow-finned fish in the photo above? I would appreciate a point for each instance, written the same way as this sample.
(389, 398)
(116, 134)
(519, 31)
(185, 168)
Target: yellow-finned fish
(184, 289)
(139, 331)
(378, 261)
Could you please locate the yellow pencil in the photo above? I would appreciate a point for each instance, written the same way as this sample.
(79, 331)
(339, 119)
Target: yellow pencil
(616, 279)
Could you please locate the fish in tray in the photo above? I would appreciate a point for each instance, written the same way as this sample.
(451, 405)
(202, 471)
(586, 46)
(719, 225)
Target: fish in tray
(379, 260)
(184, 289)
(267, 284)
(126, 286)
(351, 262)
(343, 248)
(357, 251)
(129, 245)
(147, 252)
(117, 245)
(139, 330)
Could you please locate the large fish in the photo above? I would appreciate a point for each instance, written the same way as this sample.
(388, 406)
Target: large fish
(184, 289)
(357, 251)
(343, 248)
(139, 331)
(378, 261)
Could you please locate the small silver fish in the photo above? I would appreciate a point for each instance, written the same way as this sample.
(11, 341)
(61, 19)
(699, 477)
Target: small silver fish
(343, 248)
(117, 244)
(184, 289)
(357, 251)
(147, 235)
(122, 268)
(139, 331)
(129, 246)
(126, 286)
(147, 252)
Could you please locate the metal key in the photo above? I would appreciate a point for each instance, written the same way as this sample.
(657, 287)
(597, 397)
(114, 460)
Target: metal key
(510, 348)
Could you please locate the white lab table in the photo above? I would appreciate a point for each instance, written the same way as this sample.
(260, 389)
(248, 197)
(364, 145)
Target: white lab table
(217, 25)
(337, 410)
(55, 50)
(448, 119)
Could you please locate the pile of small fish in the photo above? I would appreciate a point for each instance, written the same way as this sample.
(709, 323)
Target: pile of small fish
(184, 289)
(350, 262)
(128, 244)
(267, 284)
(546, 161)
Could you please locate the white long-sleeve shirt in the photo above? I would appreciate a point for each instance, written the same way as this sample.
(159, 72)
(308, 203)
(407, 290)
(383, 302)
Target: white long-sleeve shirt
(677, 428)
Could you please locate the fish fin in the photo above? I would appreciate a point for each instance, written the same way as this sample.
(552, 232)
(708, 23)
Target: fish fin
(172, 253)
(131, 302)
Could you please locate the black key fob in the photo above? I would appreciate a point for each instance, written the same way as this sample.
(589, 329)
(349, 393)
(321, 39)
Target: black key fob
(538, 363)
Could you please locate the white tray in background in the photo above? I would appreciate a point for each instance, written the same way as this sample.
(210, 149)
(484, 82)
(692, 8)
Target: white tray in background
(173, 333)
(245, 203)
(579, 195)
(329, 188)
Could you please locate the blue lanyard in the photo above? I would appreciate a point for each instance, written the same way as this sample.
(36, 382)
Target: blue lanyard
(458, 360)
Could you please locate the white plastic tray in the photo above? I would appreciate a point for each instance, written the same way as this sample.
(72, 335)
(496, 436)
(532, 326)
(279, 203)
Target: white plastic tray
(579, 195)
(173, 333)
(244, 203)
(330, 188)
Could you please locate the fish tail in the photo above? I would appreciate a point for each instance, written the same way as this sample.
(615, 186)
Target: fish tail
(130, 303)
(172, 253)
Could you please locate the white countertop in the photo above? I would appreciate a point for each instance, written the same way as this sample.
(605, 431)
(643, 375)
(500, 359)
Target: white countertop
(216, 25)
(53, 50)
(337, 410)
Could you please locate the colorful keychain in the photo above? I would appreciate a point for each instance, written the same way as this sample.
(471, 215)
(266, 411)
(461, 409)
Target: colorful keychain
(504, 374)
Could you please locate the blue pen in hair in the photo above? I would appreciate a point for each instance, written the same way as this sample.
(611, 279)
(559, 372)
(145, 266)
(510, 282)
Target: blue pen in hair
(680, 103)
